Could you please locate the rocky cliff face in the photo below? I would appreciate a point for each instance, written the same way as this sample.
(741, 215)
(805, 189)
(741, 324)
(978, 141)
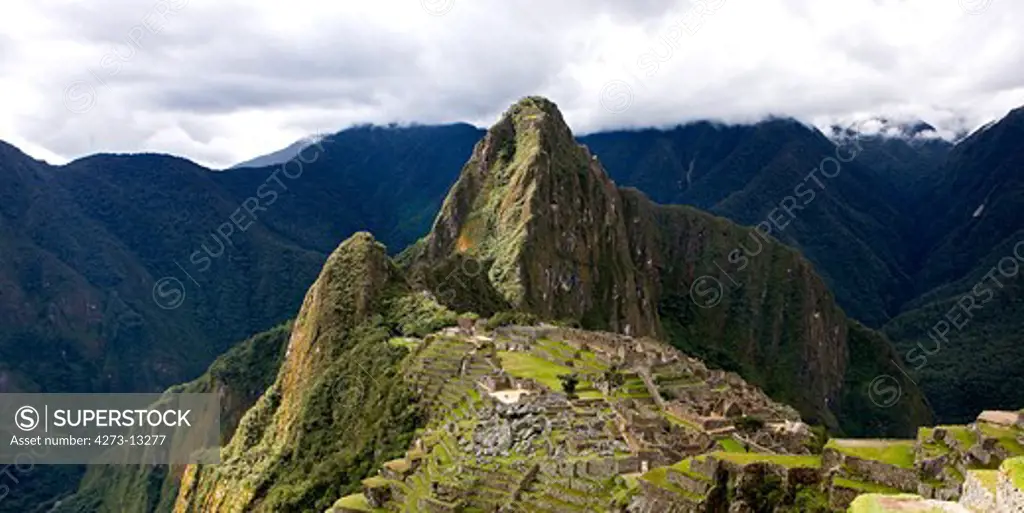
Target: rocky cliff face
(538, 212)
(774, 321)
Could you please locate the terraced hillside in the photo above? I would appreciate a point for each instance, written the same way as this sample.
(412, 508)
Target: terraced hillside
(974, 464)
(550, 419)
(535, 224)
(650, 430)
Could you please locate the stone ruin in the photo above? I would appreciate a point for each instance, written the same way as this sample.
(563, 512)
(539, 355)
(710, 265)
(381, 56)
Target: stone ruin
(507, 428)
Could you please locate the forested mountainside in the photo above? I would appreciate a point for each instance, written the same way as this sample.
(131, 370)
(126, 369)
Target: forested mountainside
(535, 226)
(90, 243)
(552, 234)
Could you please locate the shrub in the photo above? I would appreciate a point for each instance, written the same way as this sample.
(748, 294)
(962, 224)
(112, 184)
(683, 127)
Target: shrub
(748, 424)
(569, 383)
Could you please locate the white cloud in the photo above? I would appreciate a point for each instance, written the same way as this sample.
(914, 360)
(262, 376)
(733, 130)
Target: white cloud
(222, 81)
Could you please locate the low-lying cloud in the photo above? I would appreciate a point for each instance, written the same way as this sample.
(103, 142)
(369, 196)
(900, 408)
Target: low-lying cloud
(219, 82)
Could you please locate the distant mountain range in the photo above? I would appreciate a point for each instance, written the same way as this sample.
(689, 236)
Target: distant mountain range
(861, 231)
(281, 156)
(133, 272)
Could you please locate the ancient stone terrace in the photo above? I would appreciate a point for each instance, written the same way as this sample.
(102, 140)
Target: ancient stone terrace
(984, 491)
(548, 449)
(975, 465)
(651, 429)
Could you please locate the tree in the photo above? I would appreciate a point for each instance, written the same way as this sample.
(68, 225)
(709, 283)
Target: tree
(614, 377)
(569, 382)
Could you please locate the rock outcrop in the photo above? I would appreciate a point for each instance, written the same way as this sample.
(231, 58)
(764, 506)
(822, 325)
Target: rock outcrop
(538, 212)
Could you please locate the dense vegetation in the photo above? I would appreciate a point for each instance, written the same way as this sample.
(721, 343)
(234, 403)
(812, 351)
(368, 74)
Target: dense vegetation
(84, 244)
(241, 376)
(340, 404)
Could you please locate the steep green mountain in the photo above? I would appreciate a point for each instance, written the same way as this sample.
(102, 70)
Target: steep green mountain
(91, 254)
(84, 244)
(975, 204)
(546, 223)
(82, 251)
(961, 333)
(536, 223)
(339, 405)
(240, 376)
(543, 227)
(824, 200)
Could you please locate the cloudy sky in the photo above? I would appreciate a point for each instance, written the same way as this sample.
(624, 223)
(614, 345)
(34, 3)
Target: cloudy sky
(219, 81)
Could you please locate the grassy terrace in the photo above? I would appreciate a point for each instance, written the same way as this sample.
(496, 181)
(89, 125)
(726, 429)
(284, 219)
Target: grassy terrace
(988, 478)
(659, 478)
(529, 366)
(865, 487)
(682, 422)
(1007, 437)
(785, 460)
(1014, 467)
(683, 467)
(898, 453)
(355, 502)
(962, 434)
(731, 445)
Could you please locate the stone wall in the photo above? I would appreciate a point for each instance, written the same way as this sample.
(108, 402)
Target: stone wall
(976, 496)
(525, 482)
(1009, 497)
(660, 500)
(839, 498)
(874, 471)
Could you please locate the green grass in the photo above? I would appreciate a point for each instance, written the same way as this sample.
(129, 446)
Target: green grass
(731, 445)
(785, 460)
(684, 467)
(355, 502)
(682, 422)
(987, 478)
(1014, 467)
(899, 453)
(931, 449)
(375, 482)
(526, 365)
(407, 343)
(1007, 437)
(864, 487)
(399, 465)
(962, 434)
(659, 477)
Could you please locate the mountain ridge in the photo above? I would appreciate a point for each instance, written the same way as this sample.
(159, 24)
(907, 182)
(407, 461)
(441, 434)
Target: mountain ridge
(544, 263)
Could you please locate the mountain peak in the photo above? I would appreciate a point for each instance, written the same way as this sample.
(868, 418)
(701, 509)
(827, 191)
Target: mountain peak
(531, 126)
(539, 213)
(535, 112)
